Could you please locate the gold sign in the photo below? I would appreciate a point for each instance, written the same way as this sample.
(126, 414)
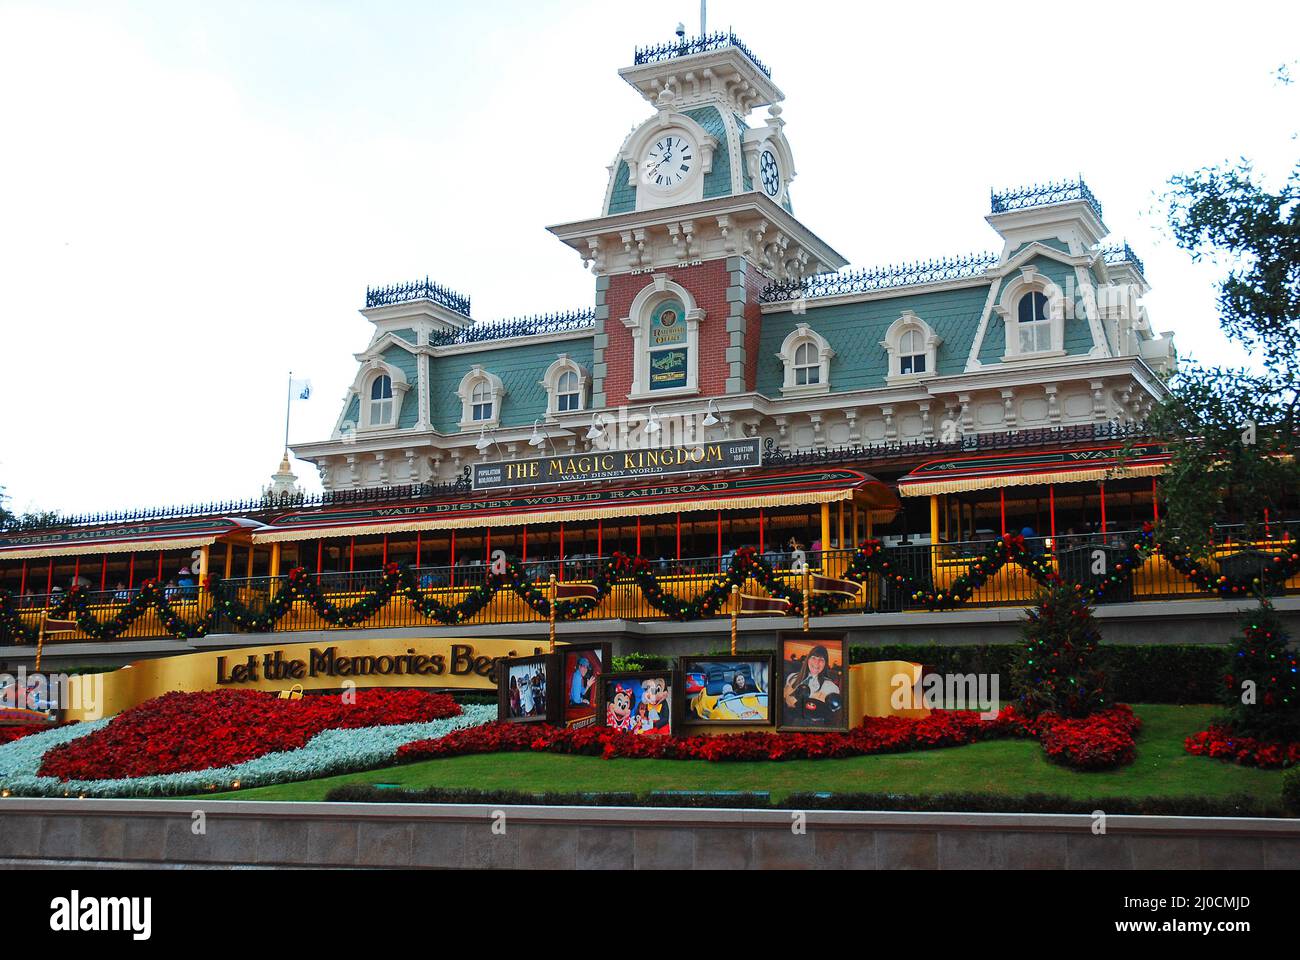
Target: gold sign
(620, 464)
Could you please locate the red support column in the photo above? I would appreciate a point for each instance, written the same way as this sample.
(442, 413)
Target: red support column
(320, 558)
(561, 552)
(1002, 507)
(130, 580)
(49, 582)
(1155, 503)
(160, 564)
(76, 570)
(679, 536)
(23, 589)
(352, 554)
(525, 557)
(638, 536)
(385, 562)
(600, 538)
(419, 544)
(452, 578)
(761, 551)
(487, 545)
(103, 573)
(719, 541)
(1102, 485)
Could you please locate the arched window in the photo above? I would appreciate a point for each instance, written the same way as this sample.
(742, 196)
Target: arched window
(481, 402)
(664, 322)
(381, 400)
(480, 394)
(568, 397)
(806, 356)
(807, 365)
(1033, 324)
(911, 352)
(912, 347)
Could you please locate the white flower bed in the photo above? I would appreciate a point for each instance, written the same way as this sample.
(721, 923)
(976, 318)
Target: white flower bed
(326, 754)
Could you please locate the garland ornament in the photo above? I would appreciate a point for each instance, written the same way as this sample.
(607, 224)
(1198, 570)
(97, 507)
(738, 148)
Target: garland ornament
(823, 596)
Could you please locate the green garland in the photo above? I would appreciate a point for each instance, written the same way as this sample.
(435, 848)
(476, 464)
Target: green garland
(871, 558)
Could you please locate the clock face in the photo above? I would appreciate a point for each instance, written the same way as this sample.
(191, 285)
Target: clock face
(770, 173)
(669, 161)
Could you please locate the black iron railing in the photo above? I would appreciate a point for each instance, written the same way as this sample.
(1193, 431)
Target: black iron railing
(966, 443)
(1121, 253)
(546, 323)
(424, 289)
(880, 278)
(688, 46)
(250, 506)
(1041, 195)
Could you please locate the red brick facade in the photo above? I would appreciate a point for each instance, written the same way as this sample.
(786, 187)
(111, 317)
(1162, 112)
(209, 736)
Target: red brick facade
(707, 283)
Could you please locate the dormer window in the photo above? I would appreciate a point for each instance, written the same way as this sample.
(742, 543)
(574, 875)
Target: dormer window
(1033, 311)
(566, 386)
(806, 356)
(912, 347)
(381, 400)
(807, 365)
(1033, 324)
(911, 352)
(481, 402)
(568, 398)
(480, 395)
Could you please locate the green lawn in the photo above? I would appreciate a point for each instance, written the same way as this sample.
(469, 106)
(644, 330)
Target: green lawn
(1004, 766)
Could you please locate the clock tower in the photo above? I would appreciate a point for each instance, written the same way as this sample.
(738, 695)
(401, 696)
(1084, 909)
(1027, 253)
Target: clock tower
(696, 220)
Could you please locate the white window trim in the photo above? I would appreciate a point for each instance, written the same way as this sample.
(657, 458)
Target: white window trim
(893, 341)
(796, 338)
(551, 381)
(638, 322)
(465, 391)
(371, 371)
(1008, 308)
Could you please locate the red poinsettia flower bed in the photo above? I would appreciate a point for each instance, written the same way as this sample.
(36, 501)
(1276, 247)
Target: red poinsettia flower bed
(1221, 743)
(876, 735)
(18, 731)
(1101, 741)
(181, 732)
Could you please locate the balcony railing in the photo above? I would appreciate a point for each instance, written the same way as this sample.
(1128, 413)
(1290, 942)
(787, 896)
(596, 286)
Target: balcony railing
(930, 569)
(1043, 194)
(688, 46)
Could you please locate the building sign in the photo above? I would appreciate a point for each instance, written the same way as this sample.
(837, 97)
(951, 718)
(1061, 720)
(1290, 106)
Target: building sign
(620, 464)
(668, 369)
(668, 325)
(504, 508)
(145, 531)
(431, 663)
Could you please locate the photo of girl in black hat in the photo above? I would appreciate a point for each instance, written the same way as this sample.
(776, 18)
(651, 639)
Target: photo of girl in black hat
(813, 696)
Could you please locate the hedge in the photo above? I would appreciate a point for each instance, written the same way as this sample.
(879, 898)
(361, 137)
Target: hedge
(1237, 805)
(1174, 673)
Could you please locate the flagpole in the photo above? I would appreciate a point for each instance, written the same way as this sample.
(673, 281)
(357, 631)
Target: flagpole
(735, 613)
(553, 592)
(288, 406)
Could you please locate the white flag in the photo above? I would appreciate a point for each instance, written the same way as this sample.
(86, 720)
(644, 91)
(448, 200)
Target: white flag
(300, 389)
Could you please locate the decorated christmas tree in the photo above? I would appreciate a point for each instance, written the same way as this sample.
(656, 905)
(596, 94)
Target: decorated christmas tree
(1262, 687)
(1057, 669)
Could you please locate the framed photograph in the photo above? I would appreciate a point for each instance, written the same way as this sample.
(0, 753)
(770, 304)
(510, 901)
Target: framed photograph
(528, 689)
(813, 682)
(581, 667)
(640, 703)
(726, 690)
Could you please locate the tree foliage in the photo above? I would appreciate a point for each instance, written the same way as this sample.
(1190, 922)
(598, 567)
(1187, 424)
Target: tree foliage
(1233, 432)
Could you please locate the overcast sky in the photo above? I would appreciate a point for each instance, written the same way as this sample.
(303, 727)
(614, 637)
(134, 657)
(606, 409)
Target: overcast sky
(195, 195)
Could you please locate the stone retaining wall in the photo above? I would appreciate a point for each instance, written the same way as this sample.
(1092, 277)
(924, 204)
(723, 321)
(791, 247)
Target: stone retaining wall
(155, 833)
